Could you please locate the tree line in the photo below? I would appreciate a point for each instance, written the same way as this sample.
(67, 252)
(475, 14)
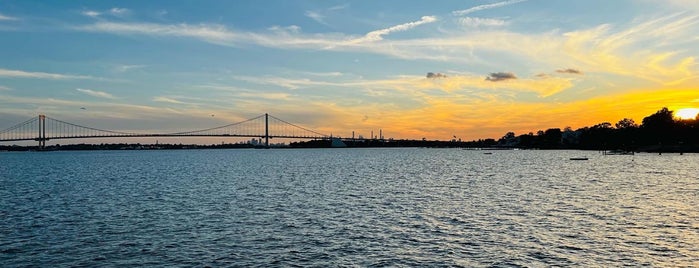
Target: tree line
(660, 131)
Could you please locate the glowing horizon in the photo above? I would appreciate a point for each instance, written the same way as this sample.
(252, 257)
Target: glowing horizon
(470, 69)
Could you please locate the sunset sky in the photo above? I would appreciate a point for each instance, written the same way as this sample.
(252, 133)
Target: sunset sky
(435, 69)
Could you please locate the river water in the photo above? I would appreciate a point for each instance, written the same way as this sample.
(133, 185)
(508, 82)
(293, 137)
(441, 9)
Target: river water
(347, 207)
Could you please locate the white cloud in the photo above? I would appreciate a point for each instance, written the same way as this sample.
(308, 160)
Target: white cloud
(3, 17)
(339, 7)
(91, 13)
(39, 75)
(335, 74)
(5, 88)
(378, 34)
(484, 7)
(126, 68)
(294, 29)
(643, 48)
(211, 33)
(289, 83)
(477, 22)
(94, 93)
(167, 100)
(119, 11)
(316, 17)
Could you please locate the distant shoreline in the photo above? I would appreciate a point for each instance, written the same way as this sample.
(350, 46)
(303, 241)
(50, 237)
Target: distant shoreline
(326, 144)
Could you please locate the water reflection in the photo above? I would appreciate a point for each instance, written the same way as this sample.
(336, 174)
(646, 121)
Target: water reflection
(366, 207)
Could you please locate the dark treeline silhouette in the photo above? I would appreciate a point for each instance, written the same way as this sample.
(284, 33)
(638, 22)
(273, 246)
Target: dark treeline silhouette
(657, 132)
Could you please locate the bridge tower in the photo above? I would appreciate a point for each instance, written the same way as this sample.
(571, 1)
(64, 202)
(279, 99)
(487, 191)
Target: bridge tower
(266, 130)
(41, 138)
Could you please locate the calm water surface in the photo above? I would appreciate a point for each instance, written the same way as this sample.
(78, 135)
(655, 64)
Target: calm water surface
(347, 207)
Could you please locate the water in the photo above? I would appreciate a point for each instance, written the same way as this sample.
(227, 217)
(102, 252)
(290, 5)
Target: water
(347, 207)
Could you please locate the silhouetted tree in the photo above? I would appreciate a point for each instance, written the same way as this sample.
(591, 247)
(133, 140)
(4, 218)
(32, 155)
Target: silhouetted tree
(508, 140)
(626, 135)
(661, 119)
(570, 138)
(626, 123)
(658, 128)
(552, 138)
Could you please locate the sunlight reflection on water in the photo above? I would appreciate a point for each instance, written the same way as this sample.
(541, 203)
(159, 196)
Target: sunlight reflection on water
(367, 207)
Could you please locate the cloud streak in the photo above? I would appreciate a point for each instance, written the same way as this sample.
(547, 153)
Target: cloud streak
(40, 75)
(116, 11)
(485, 7)
(95, 93)
(316, 17)
(167, 100)
(91, 13)
(3, 17)
(478, 22)
(378, 34)
(208, 32)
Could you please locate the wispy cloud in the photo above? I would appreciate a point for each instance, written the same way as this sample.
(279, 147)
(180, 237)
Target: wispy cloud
(126, 68)
(294, 29)
(211, 33)
(643, 50)
(620, 49)
(116, 11)
(320, 15)
(95, 93)
(167, 100)
(478, 22)
(91, 13)
(339, 7)
(5, 88)
(316, 16)
(289, 83)
(378, 34)
(40, 75)
(4, 17)
(334, 74)
(484, 7)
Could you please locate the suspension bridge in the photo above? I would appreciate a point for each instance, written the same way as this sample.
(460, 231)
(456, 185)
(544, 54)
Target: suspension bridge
(43, 128)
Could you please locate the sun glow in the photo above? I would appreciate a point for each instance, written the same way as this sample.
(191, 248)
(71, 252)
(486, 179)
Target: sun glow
(687, 113)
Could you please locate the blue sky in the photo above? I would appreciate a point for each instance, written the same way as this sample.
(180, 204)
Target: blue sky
(339, 66)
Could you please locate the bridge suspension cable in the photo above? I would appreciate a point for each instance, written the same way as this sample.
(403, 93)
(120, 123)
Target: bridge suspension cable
(43, 128)
(58, 129)
(285, 129)
(26, 130)
(247, 128)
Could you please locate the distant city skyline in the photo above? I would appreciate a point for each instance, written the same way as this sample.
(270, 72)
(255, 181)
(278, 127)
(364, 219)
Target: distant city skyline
(413, 69)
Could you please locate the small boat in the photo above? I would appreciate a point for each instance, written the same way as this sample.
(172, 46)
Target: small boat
(578, 158)
(488, 153)
(618, 152)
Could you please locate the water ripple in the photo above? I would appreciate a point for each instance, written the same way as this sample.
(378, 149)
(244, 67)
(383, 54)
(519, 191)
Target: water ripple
(365, 207)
